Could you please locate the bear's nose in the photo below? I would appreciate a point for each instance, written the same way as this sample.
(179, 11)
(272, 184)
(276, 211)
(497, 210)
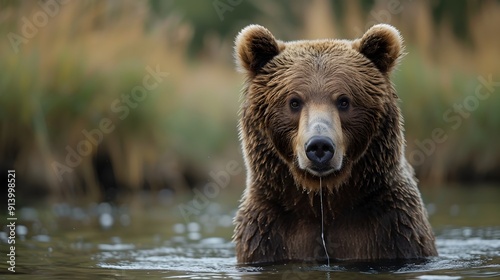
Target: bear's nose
(319, 150)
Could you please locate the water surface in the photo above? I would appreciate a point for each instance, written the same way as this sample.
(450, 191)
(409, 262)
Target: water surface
(148, 236)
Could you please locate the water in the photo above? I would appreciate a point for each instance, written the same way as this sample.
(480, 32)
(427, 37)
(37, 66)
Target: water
(323, 222)
(147, 237)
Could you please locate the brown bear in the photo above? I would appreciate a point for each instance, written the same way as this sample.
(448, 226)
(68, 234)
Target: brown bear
(320, 126)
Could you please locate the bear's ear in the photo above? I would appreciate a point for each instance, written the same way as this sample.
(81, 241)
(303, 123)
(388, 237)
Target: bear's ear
(254, 47)
(381, 44)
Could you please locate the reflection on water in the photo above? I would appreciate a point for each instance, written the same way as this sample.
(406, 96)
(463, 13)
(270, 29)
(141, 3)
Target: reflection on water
(145, 237)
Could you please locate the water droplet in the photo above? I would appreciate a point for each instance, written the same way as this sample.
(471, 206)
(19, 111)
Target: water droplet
(104, 208)
(106, 220)
(467, 232)
(115, 247)
(323, 222)
(193, 227)
(21, 230)
(179, 228)
(41, 238)
(3, 236)
(212, 241)
(194, 235)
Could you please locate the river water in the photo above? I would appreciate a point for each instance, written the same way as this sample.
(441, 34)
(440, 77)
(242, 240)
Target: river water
(148, 237)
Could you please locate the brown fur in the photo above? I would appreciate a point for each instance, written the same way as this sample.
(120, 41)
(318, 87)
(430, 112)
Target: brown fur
(373, 208)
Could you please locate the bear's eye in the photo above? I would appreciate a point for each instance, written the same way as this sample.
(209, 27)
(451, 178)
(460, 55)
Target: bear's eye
(295, 104)
(343, 103)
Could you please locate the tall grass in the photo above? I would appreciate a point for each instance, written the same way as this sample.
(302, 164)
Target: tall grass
(65, 79)
(440, 73)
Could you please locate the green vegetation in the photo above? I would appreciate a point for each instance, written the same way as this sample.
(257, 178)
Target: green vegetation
(63, 80)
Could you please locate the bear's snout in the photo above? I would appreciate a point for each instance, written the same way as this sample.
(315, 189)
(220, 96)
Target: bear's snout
(320, 150)
(320, 146)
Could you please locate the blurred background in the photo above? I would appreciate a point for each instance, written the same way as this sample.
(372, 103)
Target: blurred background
(104, 98)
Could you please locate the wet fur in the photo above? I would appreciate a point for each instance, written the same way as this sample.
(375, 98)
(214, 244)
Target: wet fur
(373, 208)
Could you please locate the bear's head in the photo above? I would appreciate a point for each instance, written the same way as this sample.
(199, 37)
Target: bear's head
(319, 104)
